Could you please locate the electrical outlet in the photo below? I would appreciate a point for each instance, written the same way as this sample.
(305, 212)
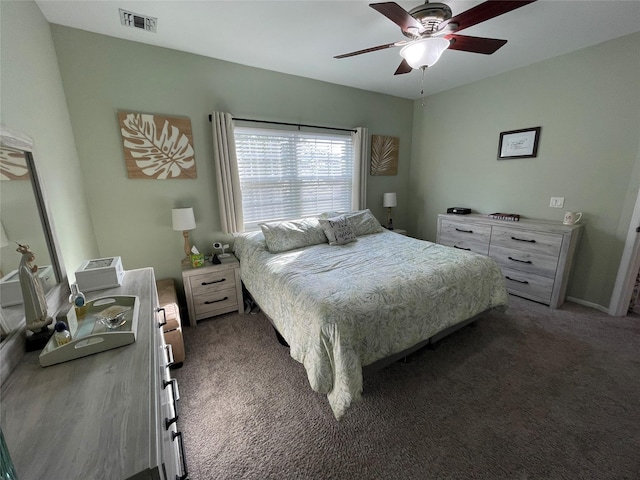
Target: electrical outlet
(557, 202)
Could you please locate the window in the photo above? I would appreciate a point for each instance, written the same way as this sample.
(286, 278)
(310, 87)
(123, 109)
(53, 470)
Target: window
(287, 174)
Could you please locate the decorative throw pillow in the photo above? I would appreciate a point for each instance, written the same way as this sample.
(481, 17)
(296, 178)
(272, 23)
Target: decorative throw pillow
(363, 222)
(338, 230)
(291, 234)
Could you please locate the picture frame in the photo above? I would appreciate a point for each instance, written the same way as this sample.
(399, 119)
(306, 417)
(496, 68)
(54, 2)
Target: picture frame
(157, 146)
(519, 143)
(384, 155)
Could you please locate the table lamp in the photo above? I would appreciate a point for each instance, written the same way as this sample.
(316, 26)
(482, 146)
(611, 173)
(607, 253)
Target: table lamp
(389, 200)
(183, 220)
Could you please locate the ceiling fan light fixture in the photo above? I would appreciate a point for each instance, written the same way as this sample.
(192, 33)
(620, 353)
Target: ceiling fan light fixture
(424, 52)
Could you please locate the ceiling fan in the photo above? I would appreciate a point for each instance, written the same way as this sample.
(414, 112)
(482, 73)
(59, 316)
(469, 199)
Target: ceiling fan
(430, 29)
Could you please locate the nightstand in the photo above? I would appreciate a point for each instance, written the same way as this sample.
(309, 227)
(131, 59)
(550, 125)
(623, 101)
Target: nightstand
(212, 290)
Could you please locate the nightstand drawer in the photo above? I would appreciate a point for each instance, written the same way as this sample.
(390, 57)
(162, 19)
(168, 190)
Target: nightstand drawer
(531, 286)
(524, 261)
(213, 303)
(212, 281)
(535, 242)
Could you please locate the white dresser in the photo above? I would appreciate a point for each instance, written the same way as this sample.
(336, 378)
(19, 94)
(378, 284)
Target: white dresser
(111, 415)
(535, 256)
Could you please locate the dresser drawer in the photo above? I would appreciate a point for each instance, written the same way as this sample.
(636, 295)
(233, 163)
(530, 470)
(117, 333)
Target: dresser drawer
(528, 285)
(534, 242)
(210, 282)
(209, 304)
(465, 231)
(465, 244)
(524, 261)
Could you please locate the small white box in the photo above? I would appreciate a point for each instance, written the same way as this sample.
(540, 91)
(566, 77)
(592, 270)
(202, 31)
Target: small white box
(11, 292)
(99, 273)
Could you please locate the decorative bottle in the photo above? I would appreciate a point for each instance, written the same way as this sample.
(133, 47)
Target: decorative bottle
(61, 334)
(7, 470)
(78, 300)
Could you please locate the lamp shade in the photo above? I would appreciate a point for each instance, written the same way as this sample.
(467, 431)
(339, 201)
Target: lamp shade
(4, 241)
(183, 219)
(389, 200)
(424, 52)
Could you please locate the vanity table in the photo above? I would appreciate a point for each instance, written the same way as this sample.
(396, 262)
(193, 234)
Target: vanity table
(111, 415)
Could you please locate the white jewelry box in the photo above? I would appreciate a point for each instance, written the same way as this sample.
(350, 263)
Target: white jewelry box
(99, 273)
(10, 291)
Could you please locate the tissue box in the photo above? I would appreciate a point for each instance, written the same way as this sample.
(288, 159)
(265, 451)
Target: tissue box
(99, 273)
(10, 291)
(197, 260)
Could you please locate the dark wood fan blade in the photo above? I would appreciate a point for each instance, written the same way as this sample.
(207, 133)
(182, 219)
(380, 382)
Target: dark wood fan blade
(482, 13)
(404, 67)
(398, 15)
(367, 50)
(487, 46)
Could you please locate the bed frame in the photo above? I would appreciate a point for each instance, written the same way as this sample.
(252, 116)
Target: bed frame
(370, 369)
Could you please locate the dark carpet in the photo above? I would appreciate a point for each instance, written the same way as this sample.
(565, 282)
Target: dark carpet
(531, 393)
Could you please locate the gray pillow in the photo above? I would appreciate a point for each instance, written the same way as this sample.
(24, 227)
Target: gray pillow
(338, 230)
(363, 222)
(290, 234)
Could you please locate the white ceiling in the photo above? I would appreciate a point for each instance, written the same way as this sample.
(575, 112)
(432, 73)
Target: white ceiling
(301, 37)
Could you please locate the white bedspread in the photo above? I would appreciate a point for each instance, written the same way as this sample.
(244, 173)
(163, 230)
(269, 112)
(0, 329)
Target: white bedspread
(343, 307)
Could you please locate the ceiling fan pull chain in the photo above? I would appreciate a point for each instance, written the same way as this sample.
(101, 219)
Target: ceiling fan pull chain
(422, 87)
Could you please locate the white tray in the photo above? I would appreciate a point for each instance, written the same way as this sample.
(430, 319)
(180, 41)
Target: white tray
(89, 335)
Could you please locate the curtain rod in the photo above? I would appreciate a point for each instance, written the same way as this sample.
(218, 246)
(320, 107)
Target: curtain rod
(289, 124)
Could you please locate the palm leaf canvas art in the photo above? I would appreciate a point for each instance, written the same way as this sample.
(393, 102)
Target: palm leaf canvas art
(13, 165)
(384, 155)
(157, 146)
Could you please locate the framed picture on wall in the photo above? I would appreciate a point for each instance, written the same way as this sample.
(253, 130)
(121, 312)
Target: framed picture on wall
(157, 146)
(519, 143)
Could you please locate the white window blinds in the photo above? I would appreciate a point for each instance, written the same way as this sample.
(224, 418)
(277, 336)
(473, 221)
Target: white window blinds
(291, 174)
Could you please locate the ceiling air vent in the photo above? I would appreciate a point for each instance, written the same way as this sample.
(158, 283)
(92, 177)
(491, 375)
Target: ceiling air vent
(135, 20)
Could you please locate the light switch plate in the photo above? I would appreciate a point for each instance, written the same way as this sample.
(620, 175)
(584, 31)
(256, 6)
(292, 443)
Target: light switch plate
(557, 202)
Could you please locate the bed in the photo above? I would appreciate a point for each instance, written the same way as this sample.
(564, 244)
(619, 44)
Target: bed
(345, 306)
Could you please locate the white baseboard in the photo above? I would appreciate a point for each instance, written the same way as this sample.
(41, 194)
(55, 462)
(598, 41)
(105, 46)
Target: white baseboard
(588, 304)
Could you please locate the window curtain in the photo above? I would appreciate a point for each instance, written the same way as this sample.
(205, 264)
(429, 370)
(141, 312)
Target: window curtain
(361, 148)
(227, 178)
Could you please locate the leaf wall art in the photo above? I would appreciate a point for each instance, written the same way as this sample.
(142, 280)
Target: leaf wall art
(157, 146)
(384, 155)
(13, 165)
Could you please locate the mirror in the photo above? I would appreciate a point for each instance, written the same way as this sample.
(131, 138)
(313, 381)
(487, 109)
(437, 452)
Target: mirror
(24, 218)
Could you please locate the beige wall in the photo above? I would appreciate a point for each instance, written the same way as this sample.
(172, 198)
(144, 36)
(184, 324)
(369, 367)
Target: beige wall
(588, 104)
(32, 102)
(132, 218)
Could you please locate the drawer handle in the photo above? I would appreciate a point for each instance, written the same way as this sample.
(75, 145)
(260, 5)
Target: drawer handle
(174, 384)
(214, 281)
(183, 457)
(521, 261)
(170, 421)
(463, 231)
(164, 314)
(514, 280)
(169, 349)
(461, 248)
(522, 240)
(209, 302)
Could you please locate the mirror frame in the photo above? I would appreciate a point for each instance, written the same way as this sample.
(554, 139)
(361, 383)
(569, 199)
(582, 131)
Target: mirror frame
(12, 348)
